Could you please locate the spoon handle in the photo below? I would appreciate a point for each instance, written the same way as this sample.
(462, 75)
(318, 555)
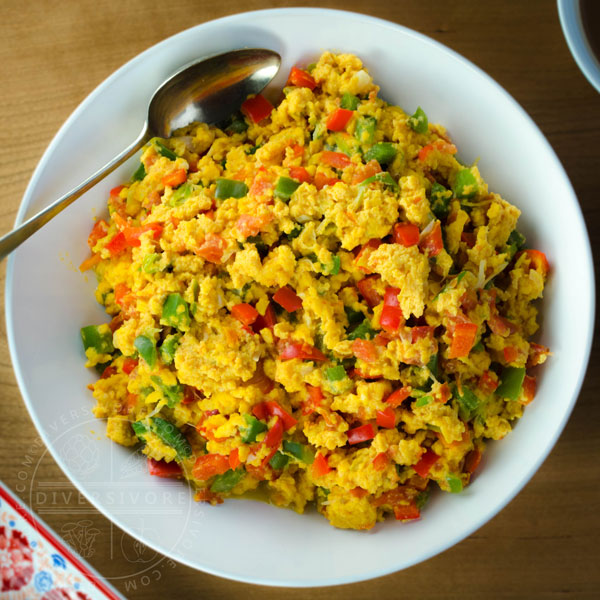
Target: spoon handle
(18, 235)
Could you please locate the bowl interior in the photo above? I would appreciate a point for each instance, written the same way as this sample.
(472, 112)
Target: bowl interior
(48, 300)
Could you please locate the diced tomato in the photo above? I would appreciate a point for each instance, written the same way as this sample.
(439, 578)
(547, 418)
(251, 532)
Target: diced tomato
(391, 318)
(499, 325)
(406, 234)
(510, 353)
(469, 238)
(251, 225)
(116, 322)
(358, 492)
(362, 433)
(462, 340)
(366, 287)
(386, 418)
(205, 495)
(117, 244)
(301, 78)
(538, 261)
(440, 145)
(397, 397)
(421, 331)
(488, 382)
(90, 262)
(425, 151)
(537, 354)
(358, 373)
(403, 506)
(300, 174)
(123, 295)
(368, 247)
(338, 119)
(129, 364)
(381, 339)
(391, 297)
(245, 313)
(338, 160)
(161, 468)
(257, 108)
(287, 298)
(529, 389)
(320, 465)
(444, 393)
(315, 396)
(321, 180)
(472, 460)
(99, 230)
(175, 178)
(365, 350)
(273, 409)
(234, 458)
(132, 234)
(432, 244)
(302, 350)
(209, 465)
(381, 461)
(425, 463)
(212, 248)
(407, 512)
(260, 186)
(274, 435)
(269, 319)
(116, 190)
(363, 172)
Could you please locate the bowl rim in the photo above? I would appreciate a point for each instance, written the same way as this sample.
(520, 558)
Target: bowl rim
(317, 12)
(569, 12)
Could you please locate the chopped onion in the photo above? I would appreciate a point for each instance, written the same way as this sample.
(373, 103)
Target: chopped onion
(427, 229)
(363, 79)
(481, 275)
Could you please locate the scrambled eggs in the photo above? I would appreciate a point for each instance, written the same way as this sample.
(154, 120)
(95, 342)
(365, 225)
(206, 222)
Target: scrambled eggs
(317, 299)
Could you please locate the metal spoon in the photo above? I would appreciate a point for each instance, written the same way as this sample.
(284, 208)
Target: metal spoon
(207, 91)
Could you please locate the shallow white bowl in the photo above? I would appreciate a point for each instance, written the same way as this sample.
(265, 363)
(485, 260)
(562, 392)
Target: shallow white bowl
(48, 300)
(571, 21)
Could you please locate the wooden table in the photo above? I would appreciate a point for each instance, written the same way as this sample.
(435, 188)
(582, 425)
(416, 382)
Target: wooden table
(545, 543)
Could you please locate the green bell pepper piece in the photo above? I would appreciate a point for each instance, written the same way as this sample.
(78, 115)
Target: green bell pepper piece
(468, 402)
(285, 187)
(349, 101)
(515, 242)
(181, 194)
(465, 184)
(335, 266)
(254, 428)
(100, 341)
(146, 347)
(383, 153)
(173, 394)
(299, 451)
(169, 347)
(336, 373)
(365, 130)
(139, 429)
(511, 382)
(432, 365)
(163, 150)
(354, 316)
(384, 178)
(229, 188)
(176, 312)
(419, 122)
(423, 401)
(364, 331)
(294, 233)
(171, 436)
(227, 481)
(439, 201)
(139, 173)
(455, 483)
(279, 461)
(149, 263)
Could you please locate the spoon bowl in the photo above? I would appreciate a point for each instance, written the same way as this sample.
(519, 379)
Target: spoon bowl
(207, 91)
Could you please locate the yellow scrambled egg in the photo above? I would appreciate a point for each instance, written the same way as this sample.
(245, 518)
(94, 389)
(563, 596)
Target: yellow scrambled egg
(317, 300)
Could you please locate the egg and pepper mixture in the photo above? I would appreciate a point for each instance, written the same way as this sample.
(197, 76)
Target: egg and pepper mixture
(315, 299)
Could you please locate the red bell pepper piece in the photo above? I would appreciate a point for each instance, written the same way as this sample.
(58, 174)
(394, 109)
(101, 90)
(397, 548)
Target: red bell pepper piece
(99, 230)
(321, 180)
(510, 354)
(425, 463)
(300, 174)
(432, 244)
(405, 508)
(366, 287)
(397, 397)
(191, 395)
(234, 458)
(273, 409)
(161, 468)
(529, 389)
(302, 350)
(301, 78)
(245, 313)
(539, 261)
(257, 108)
(274, 435)
(338, 160)
(117, 244)
(363, 172)
(287, 298)
(463, 339)
(132, 234)
(391, 315)
(315, 396)
(129, 364)
(338, 119)
(386, 418)
(381, 461)
(421, 331)
(209, 465)
(320, 465)
(406, 234)
(269, 319)
(362, 433)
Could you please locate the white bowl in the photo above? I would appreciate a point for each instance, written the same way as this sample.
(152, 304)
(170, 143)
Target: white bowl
(48, 300)
(571, 21)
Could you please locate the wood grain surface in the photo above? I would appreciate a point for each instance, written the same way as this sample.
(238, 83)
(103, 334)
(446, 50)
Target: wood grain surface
(544, 544)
